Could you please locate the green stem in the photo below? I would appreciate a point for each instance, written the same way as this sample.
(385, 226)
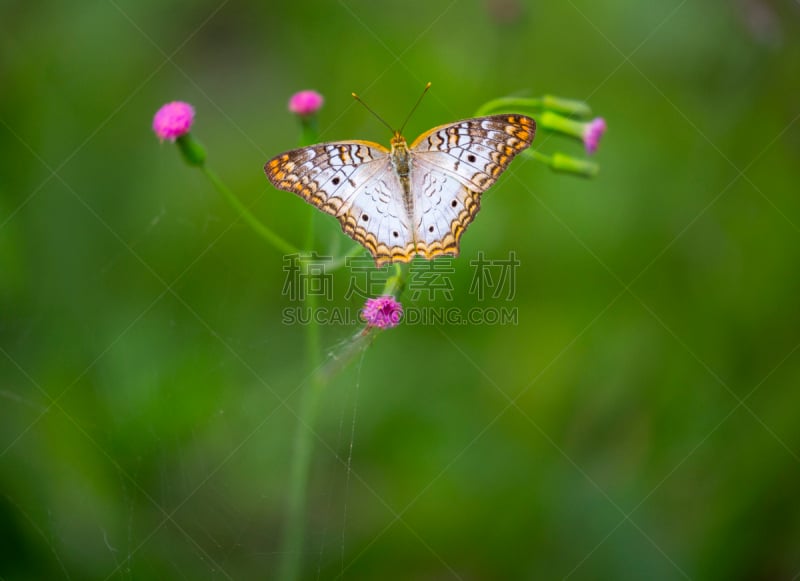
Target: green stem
(294, 532)
(396, 283)
(259, 228)
(309, 131)
(322, 375)
(342, 261)
(560, 124)
(508, 103)
(570, 107)
(291, 558)
(538, 156)
(312, 299)
(312, 336)
(561, 163)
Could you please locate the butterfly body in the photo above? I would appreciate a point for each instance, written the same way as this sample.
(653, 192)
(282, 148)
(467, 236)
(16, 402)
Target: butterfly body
(410, 200)
(401, 162)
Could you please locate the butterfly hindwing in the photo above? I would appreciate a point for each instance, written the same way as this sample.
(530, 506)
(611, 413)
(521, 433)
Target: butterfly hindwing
(376, 218)
(443, 206)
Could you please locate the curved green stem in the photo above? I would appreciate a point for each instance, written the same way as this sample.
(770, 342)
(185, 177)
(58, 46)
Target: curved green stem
(396, 283)
(342, 260)
(570, 107)
(256, 224)
(508, 102)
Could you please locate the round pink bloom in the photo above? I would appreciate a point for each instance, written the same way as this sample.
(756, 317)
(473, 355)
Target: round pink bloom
(173, 120)
(592, 132)
(305, 103)
(383, 312)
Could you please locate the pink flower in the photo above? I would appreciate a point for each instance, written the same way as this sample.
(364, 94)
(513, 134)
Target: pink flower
(383, 312)
(305, 103)
(173, 120)
(592, 132)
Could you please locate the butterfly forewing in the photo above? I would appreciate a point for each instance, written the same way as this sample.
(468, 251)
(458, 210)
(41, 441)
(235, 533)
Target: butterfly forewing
(329, 174)
(477, 150)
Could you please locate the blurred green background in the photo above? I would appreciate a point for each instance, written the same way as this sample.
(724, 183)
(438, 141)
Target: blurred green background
(149, 389)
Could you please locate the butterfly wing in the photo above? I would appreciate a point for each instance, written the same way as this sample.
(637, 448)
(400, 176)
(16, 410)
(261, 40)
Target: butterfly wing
(452, 165)
(354, 181)
(443, 207)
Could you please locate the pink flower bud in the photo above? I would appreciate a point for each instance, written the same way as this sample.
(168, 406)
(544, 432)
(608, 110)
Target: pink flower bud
(383, 312)
(592, 133)
(173, 120)
(305, 103)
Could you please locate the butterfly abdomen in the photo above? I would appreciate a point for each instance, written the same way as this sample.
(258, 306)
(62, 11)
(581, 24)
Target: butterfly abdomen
(401, 162)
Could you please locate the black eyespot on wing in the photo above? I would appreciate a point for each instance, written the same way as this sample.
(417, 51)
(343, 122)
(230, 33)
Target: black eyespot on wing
(454, 203)
(364, 217)
(471, 158)
(430, 229)
(335, 181)
(395, 234)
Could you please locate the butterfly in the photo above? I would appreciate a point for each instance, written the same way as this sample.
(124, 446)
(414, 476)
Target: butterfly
(411, 200)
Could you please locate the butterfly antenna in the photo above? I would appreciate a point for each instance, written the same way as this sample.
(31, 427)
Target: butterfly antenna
(357, 98)
(414, 108)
